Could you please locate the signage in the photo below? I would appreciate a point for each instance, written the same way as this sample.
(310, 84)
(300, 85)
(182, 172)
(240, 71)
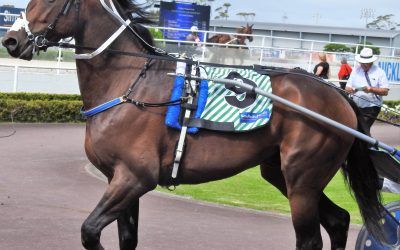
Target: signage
(6, 19)
(183, 16)
(392, 70)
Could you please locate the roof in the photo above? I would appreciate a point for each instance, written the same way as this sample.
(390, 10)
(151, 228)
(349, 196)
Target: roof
(318, 29)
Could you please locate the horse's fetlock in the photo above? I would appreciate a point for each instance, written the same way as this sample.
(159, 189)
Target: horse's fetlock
(90, 236)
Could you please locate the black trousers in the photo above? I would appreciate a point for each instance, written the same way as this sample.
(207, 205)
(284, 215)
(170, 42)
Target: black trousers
(370, 114)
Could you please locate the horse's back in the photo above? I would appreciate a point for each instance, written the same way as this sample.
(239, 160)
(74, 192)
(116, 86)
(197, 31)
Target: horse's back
(314, 94)
(219, 38)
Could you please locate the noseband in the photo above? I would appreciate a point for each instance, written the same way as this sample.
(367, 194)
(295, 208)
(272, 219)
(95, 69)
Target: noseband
(41, 40)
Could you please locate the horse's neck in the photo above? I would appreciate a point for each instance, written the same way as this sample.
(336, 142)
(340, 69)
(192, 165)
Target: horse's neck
(106, 76)
(240, 39)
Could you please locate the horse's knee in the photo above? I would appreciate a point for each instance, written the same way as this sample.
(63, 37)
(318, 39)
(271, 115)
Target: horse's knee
(90, 236)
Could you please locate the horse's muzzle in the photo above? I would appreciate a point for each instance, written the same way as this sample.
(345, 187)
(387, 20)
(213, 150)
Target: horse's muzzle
(18, 46)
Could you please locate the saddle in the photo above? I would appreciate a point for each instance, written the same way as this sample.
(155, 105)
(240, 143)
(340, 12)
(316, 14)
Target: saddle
(220, 107)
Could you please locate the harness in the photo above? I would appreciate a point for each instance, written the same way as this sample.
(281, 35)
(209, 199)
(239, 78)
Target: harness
(126, 97)
(40, 40)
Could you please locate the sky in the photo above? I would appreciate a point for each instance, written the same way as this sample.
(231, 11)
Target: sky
(338, 13)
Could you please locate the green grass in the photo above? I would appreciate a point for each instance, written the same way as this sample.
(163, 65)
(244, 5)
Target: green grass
(249, 190)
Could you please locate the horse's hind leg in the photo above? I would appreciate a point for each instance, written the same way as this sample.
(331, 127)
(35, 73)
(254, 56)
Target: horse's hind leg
(304, 209)
(336, 222)
(128, 227)
(123, 189)
(333, 218)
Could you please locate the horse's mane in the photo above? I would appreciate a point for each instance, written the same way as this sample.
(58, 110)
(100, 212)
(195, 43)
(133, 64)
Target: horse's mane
(139, 15)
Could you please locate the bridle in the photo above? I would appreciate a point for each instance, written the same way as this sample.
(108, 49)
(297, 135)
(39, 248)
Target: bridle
(40, 41)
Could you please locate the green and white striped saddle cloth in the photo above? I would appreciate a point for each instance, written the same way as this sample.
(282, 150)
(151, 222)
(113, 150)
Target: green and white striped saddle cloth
(234, 107)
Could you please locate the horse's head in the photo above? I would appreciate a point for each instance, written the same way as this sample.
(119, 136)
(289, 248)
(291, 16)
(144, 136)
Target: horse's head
(45, 20)
(248, 29)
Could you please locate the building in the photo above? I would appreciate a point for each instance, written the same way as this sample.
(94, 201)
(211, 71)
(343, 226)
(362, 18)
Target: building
(300, 36)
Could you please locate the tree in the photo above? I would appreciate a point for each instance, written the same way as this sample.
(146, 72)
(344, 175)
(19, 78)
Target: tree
(334, 47)
(376, 50)
(223, 11)
(246, 15)
(384, 22)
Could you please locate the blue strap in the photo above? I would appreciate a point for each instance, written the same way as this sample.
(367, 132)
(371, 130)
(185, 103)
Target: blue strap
(102, 107)
(397, 155)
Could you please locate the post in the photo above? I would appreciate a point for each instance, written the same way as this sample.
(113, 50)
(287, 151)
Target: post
(310, 58)
(355, 53)
(15, 87)
(203, 46)
(59, 60)
(262, 50)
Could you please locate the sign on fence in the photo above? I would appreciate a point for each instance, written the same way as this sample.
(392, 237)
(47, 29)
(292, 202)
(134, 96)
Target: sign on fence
(392, 70)
(7, 19)
(183, 16)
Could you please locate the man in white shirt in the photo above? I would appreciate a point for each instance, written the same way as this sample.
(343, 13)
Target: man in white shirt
(368, 83)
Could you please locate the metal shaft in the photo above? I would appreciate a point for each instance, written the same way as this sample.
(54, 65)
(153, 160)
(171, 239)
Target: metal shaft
(306, 111)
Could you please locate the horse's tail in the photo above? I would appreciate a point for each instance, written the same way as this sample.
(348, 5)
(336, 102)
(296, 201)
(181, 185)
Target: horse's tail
(362, 177)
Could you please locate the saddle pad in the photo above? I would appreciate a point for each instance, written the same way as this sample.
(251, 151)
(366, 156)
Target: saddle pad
(231, 104)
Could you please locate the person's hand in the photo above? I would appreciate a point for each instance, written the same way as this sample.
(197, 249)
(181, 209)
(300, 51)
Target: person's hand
(367, 89)
(350, 90)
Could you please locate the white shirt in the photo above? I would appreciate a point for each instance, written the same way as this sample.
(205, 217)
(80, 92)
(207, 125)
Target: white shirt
(377, 78)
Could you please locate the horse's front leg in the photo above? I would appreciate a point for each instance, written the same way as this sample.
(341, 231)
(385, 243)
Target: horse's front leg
(128, 227)
(124, 190)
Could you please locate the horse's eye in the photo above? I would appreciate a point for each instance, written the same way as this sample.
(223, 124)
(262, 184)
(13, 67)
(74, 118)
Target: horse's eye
(51, 1)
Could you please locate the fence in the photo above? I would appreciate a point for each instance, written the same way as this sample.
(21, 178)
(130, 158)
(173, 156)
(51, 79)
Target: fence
(257, 52)
(280, 52)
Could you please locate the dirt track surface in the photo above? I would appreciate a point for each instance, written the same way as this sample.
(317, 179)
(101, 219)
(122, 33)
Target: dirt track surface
(46, 193)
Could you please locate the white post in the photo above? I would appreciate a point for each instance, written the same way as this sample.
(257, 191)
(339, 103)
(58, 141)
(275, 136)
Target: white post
(310, 58)
(203, 46)
(262, 49)
(15, 79)
(355, 53)
(59, 60)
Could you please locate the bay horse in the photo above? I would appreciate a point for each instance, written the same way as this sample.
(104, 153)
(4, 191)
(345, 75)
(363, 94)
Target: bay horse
(133, 148)
(236, 39)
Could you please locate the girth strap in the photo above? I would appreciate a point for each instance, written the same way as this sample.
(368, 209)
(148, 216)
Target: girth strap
(103, 107)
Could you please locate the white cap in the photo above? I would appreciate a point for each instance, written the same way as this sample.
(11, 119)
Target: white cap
(366, 56)
(194, 29)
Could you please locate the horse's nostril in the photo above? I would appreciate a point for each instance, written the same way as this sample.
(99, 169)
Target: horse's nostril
(10, 42)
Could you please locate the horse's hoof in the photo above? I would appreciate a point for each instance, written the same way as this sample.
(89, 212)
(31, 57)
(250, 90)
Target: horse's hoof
(98, 247)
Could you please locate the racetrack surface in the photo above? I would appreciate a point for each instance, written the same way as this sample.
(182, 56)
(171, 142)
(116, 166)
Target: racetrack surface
(46, 193)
